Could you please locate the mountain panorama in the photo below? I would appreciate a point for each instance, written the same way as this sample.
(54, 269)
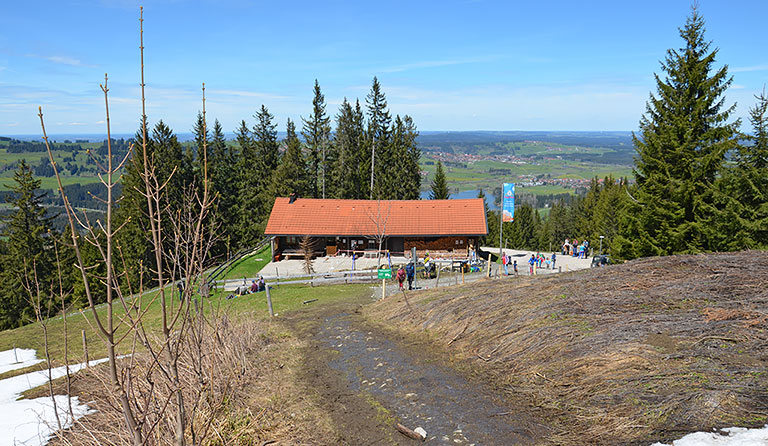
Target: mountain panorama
(337, 276)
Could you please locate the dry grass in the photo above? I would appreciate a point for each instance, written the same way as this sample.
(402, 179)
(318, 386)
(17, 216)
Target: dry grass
(255, 396)
(618, 355)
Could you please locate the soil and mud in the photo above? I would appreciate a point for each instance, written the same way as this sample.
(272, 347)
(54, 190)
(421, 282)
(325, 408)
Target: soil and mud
(368, 378)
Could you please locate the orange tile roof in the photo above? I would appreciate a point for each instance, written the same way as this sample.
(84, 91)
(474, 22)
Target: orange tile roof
(317, 217)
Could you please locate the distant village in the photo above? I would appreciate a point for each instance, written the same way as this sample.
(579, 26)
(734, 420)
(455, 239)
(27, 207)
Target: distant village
(463, 160)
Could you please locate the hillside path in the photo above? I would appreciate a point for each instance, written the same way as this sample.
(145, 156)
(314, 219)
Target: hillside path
(362, 372)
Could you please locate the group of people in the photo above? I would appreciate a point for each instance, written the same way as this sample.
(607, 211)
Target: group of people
(259, 285)
(575, 249)
(505, 262)
(537, 260)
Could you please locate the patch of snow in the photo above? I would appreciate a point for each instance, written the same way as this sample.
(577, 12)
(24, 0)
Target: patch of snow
(17, 358)
(732, 436)
(33, 422)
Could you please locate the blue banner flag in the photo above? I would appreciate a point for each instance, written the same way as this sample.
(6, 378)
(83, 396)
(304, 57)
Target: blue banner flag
(508, 202)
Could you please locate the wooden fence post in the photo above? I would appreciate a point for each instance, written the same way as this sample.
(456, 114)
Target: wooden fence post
(269, 300)
(85, 348)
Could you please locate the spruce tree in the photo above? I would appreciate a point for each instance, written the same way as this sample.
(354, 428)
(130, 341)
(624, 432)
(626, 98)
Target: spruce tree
(247, 182)
(753, 162)
(481, 195)
(267, 147)
(378, 135)
(523, 233)
(172, 164)
(439, 184)
(291, 175)
(361, 153)
(744, 188)
(402, 179)
(344, 175)
(202, 137)
(317, 134)
(131, 216)
(260, 156)
(223, 158)
(28, 252)
(684, 136)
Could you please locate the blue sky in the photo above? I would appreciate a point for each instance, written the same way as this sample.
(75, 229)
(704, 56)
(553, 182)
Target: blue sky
(450, 64)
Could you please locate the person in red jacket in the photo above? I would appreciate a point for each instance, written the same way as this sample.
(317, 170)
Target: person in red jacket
(400, 276)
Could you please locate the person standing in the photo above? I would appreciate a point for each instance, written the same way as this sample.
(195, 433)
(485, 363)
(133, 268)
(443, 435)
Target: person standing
(427, 266)
(505, 262)
(410, 273)
(514, 267)
(531, 262)
(400, 276)
(554, 259)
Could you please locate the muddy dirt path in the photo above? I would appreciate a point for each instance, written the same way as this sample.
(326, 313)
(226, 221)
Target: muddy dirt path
(369, 378)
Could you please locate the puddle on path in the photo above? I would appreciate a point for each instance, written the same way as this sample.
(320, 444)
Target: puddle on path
(451, 410)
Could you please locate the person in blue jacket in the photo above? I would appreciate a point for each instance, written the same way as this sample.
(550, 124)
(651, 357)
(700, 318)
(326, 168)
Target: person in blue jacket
(410, 273)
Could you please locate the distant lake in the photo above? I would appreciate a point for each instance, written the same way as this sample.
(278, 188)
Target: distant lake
(466, 194)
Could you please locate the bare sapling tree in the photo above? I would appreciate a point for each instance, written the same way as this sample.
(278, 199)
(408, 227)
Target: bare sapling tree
(307, 246)
(161, 379)
(41, 304)
(379, 217)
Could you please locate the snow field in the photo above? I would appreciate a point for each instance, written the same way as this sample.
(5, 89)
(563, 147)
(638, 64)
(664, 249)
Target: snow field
(32, 422)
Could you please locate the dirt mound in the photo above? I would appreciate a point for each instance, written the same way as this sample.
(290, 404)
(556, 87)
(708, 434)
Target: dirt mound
(626, 354)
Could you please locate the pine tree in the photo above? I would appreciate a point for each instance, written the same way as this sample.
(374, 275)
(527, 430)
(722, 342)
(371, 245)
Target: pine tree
(317, 134)
(28, 251)
(439, 184)
(684, 136)
(378, 135)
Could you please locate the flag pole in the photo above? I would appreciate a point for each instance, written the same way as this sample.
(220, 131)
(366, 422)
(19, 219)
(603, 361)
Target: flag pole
(501, 221)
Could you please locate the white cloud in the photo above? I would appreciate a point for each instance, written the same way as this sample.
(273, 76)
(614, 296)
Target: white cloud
(763, 67)
(64, 60)
(245, 93)
(434, 64)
